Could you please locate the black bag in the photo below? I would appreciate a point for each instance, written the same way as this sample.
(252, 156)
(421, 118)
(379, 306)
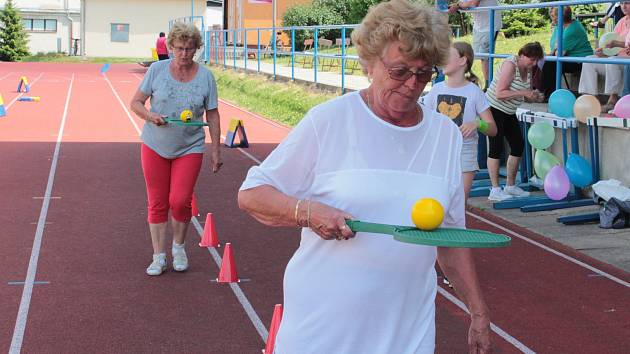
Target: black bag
(615, 214)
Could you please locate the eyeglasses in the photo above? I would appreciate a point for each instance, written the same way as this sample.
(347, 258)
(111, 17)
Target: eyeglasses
(184, 49)
(402, 73)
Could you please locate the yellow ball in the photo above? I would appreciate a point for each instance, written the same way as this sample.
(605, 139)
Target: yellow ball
(427, 214)
(186, 115)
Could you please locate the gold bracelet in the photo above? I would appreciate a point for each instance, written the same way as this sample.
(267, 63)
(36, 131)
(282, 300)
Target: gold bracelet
(308, 214)
(295, 215)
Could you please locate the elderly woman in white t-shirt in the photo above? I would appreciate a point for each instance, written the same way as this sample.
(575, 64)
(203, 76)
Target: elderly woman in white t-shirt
(369, 155)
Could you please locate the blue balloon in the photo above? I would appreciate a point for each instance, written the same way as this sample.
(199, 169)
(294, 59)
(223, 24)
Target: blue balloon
(561, 103)
(579, 170)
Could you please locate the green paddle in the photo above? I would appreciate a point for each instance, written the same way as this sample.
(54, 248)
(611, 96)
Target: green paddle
(192, 123)
(442, 237)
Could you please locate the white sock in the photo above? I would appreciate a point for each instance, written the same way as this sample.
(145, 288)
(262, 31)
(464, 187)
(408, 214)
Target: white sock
(177, 247)
(496, 189)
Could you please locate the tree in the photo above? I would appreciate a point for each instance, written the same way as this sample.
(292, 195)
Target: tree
(13, 37)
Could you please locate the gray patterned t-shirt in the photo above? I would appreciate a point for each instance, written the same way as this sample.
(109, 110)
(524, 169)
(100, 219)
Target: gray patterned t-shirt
(170, 97)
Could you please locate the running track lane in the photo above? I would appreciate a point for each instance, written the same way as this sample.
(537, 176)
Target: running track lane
(27, 142)
(97, 247)
(278, 244)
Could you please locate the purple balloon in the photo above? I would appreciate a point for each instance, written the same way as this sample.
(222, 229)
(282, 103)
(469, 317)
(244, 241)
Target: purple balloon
(557, 183)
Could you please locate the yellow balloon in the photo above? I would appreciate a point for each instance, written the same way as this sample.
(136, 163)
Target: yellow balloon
(586, 106)
(427, 214)
(186, 115)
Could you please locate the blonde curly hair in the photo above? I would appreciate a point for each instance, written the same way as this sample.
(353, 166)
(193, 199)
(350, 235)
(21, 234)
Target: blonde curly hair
(182, 32)
(423, 33)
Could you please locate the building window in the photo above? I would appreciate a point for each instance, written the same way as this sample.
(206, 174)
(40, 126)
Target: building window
(39, 25)
(120, 32)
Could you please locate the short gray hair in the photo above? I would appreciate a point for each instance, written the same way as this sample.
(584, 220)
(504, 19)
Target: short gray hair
(183, 32)
(424, 33)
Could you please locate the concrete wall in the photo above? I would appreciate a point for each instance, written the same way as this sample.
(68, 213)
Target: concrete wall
(146, 18)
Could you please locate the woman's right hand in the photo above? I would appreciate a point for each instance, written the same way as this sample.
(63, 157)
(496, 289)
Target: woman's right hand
(155, 119)
(328, 222)
(600, 53)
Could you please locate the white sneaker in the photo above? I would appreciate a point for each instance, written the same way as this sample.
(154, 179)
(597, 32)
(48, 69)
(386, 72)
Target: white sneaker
(180, 261)
(158, 266)
(497, 194)
(515, 191)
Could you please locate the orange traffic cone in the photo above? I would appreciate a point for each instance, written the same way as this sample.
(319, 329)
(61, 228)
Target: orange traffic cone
(273, 329)
(195, 210)
(227, 274)
(209, 238)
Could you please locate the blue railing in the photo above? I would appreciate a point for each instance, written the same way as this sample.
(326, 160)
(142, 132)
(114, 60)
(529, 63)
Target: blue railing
(217, 42)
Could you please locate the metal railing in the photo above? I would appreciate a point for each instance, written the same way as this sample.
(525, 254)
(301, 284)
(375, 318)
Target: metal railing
(221, 44)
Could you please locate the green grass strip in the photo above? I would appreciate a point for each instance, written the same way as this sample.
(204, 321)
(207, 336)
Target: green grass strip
(284, 102)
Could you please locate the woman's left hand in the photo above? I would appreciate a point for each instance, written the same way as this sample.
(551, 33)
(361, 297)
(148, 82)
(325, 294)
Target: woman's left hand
(216, 160)
(468, 129)
(479, 335)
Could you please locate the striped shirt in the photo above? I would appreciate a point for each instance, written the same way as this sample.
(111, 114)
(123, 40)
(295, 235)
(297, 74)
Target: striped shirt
(510, 105)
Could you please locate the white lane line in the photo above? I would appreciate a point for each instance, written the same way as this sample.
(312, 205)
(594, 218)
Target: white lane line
(20, 322)
(22, 93)
(508, 338)
(549, 249)
(247, 306)
(122, 104)
(5, 76)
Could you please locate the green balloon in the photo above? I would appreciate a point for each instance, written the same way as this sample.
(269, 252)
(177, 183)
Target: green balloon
(543, 162)
(541, 135)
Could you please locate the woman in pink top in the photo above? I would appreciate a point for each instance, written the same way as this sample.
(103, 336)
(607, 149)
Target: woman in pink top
(160, 47)
(613, 72)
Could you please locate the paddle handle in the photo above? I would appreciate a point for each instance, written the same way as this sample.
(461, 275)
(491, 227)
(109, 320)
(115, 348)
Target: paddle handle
(361, 226)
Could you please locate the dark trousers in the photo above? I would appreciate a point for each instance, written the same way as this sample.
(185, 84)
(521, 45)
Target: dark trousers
(508, 128)
(162, 56)
(548, 77)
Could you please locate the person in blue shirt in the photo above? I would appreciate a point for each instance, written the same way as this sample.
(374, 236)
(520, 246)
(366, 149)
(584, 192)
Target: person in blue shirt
(574, 44)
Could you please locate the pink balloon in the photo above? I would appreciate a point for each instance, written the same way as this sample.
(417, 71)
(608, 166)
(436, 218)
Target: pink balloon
(622, 107)
(557, 183)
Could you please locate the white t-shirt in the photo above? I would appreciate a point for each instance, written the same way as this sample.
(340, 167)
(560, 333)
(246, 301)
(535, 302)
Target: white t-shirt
(481, 19)
(369, 294)
(461, 104)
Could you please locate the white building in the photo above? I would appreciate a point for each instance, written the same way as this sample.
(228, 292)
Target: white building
(113, 28)
(52, 25)
(129, 28)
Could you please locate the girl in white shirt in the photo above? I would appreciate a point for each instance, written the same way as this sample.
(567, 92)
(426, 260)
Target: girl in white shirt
(460, 99)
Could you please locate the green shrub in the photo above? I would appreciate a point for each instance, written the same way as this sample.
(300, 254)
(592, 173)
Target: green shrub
(310, 15)
(13, 38)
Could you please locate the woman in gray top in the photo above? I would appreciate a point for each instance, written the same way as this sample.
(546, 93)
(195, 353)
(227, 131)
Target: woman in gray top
(172, 154)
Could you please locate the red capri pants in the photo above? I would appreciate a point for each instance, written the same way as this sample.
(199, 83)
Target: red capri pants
(170, 184)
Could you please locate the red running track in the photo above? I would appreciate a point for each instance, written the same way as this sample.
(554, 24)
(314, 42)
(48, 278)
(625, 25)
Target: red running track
(95, 297)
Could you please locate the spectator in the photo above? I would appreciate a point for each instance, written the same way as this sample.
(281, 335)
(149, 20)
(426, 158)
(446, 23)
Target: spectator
(614, 12)
(481, 28)
(613, 72)
(574, 44)
(160, 47)
(509, 88)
